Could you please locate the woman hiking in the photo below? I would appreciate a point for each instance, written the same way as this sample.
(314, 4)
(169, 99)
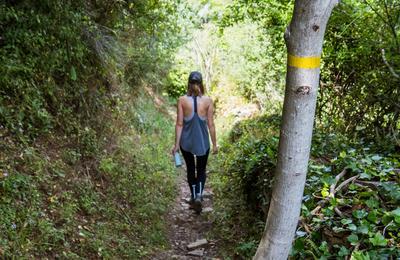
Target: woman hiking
(194, 122)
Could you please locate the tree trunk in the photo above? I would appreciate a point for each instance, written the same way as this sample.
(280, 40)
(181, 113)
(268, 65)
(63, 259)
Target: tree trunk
(304, 37)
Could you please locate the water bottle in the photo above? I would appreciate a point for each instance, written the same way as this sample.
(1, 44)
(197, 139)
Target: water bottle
(178, 161)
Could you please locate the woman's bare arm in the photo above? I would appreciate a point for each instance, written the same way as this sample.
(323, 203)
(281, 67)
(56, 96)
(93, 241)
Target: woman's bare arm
(178, 125)
(211, 126)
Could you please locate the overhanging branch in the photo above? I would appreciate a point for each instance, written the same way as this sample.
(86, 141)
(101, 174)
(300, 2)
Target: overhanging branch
(391, 69)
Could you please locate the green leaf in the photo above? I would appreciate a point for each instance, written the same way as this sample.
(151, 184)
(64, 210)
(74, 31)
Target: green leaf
(299, 244)
(352, 227)
(387, 218)
(346, 221)
(378, 240)
(360, 213)
(372, 203)
(73, 73)
(325, 192)
(363, 229)
(343, 251)
(324, 248)
(353, 187)
(365, 175)
(396, 212)
(372, 216)
(353, 166)
(358, 255)
(338, 229)
(376, 157)
(397, 219)
(353, 239)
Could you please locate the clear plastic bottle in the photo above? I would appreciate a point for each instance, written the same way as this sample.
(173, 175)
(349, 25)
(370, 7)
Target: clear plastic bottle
(178, 161)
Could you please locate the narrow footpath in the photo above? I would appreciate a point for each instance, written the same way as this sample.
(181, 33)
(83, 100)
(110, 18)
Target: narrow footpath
(187, 230)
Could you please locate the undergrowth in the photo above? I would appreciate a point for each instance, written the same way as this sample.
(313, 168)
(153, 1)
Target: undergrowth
(360, 218)
(243, 183)
(83, 165)
(59, 200)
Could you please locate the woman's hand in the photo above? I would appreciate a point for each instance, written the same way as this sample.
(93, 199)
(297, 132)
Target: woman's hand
(174, 149)
(215, 149)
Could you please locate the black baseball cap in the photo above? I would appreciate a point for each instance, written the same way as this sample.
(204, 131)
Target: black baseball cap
(195, 77)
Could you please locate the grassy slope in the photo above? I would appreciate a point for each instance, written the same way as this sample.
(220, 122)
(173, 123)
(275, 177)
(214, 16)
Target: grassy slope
(54, 201)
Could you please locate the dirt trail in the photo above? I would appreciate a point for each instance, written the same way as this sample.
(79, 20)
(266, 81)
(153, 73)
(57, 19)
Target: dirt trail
(187, 227)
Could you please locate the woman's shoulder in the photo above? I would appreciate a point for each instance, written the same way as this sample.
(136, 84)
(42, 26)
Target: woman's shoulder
(207, 98)
(182, 98)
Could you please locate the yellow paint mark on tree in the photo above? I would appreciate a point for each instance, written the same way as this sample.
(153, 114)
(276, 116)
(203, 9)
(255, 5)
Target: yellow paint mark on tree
(311, 62)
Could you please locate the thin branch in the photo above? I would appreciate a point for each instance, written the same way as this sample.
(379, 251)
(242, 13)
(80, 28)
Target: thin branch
(387, 22)
(332, 189)
(372, 184)
(314, 211)
(305, 226)
(344, 183)
(337, 210)
(392, 25)
(337, 178)
(388, 65)
(332, 192)
(376, 12)
(384, 230)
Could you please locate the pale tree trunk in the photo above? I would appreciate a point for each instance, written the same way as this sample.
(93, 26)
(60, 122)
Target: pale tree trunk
(205, 57)
(304, 38)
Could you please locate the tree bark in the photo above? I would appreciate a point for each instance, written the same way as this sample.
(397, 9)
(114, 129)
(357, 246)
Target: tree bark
(304, 37)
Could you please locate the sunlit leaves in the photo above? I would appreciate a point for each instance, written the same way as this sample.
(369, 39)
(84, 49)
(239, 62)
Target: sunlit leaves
(378, 240)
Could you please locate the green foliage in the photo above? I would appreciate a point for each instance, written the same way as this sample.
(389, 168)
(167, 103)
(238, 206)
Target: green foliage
(242, 186)
(54, 204)
(246, 52)
(36, 58)
(77, 147)
(368, 205)
(256, 37)
(241, 50)
(57, 57)
(176, 83)
(358, 100)
(251, 159)
(359, 93)
(367, 211)
(247, 249)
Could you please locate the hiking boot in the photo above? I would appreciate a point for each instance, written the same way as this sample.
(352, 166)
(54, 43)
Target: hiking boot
(197, 206)
(191, 203)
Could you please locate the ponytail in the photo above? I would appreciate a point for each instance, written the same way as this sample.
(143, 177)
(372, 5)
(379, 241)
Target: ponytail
(196, 90)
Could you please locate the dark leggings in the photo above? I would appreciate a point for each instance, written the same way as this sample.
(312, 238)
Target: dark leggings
(196, 184)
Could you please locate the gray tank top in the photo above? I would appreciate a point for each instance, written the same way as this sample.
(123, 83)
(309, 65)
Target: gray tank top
(194, 137)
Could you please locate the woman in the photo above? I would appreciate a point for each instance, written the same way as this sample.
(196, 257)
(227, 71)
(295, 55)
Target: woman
(195, 117)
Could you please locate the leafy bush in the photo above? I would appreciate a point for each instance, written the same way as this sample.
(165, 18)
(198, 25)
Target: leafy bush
(359, 93)
(243, 184)
(176, 82)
